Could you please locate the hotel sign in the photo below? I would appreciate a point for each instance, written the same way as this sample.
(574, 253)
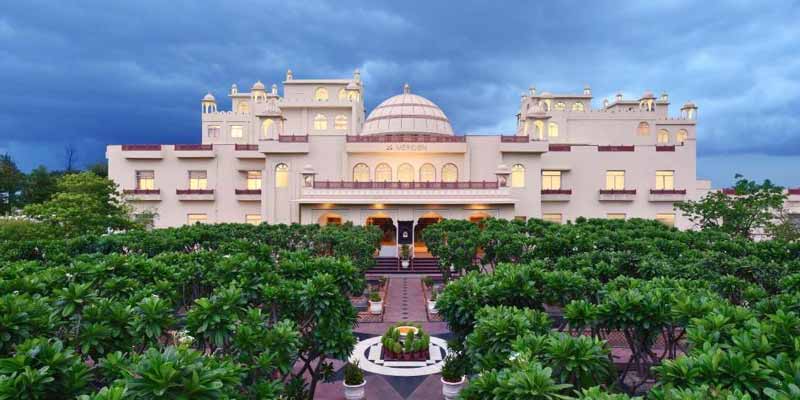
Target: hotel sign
(407, 147)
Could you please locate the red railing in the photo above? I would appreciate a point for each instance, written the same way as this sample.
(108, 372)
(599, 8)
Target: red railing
(729, 191)
(194, 147)
(248, 191)
(141, 147)
(794, 191)
(194, 191)
(560, 147)
(617, 191)
(514, 139)
(404, 185)
(407, 138)
(246, 147)
(142, 191)
(293, 138)
(667, 191)
(616, 148)
(665, 148)
(557, 191)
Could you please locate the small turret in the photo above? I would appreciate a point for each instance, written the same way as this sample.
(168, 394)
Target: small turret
(258, 92)
(209, 103)
(289, 75)
(587, 91)
(689, 110)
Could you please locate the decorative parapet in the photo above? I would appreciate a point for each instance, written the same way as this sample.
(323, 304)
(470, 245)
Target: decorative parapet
(667, 195)
(616, 148)
(665, 148)
(556, 194)
(142, 151)
(406, 193)
(286, 144)
(293, 138)
(248, 194)
(514, 139)
(247, 151)
(617, 195)
(400, 138)
(194, 150)
(195, 194)
(142, 194)
(405, 185)
(560, 147)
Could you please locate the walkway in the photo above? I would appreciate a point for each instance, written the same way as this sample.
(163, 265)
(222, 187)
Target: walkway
(406, 301)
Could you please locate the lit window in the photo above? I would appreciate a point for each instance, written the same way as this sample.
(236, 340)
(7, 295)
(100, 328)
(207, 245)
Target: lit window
(196, 218)
(213, 131)
(665, 180)
(253, 219)
(340, 122)
(281, 176)
(577, 107)
(353, 95)
(427, 173)
(361, 173)
(449, 173)
(253, 180)
(321, 94)
(244, 107)
(667, 219)
(560, 106)
(663, 136)
(644, 129)
(145, 180)
(552, 129)
(552, 217)
(342, 94)
(320, 122)
(517, 176)
(198, 180)
(237, 131)
(265, 126)
(539, 128)
(681, 136)
(615, 215)
(405, 173)
(383, 173)
(551, 180)
(615, 180)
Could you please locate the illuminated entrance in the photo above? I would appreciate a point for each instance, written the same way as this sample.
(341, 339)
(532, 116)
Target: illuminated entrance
(389, 237)
(427, 219)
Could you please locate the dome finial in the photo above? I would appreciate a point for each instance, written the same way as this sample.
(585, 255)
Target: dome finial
(357, 75)
(406, 88)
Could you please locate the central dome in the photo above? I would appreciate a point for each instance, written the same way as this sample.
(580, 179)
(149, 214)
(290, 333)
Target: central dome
(407, 113)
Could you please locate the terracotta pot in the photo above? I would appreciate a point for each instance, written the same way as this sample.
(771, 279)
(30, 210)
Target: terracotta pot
(354, 392)
(450, 390)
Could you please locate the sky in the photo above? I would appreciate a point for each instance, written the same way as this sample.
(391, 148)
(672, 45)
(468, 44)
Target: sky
(84, 74)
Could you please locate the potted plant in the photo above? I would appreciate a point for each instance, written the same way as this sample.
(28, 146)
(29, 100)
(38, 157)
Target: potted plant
(405, 255)
(453, 376)
(432, 303)
(354, 382)
(375, 303)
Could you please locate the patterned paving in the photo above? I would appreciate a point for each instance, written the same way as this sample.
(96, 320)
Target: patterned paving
(368, 354)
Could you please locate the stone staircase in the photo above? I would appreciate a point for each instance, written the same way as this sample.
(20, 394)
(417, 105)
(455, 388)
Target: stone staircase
(419, 265)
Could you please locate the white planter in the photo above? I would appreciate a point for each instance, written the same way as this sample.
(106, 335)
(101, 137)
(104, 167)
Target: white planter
(432, 307)
(376, 307)
(404, 263)
(354, 392)
(451, 390)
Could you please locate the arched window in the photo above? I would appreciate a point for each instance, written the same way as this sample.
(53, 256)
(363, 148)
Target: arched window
(517, 176)
(383, 173)
(560, 106)
(681, 136)
(265, 126)
(427, 173)
(340, 122)
(577, 107)
(539, 125)
(405, 173)
(353, 95)
(361, 173)
(663, 136)
(342, 94)
(321, 94)
(320, 122)
(244, 107)
(644, 129)
(449, 173)
(281, 176)
(552, 129)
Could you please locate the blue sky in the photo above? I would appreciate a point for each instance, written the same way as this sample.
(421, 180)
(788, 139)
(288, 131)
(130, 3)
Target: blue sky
(90, 73)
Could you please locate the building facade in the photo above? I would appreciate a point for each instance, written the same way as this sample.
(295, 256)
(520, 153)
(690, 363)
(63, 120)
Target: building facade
(313, 155)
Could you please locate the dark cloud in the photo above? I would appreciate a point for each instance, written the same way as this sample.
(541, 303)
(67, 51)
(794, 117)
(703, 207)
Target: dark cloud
(121, 72)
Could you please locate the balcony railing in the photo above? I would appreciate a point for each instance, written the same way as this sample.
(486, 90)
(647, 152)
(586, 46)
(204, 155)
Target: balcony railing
(557, 191)
(246, 147)
(194, 191)
(248, 191)
(560, 147)
(665, 148)
(729, 191)
(400, 138)
(194, 147)
(293, 138)
(616, 148)
(514, 139)
(794, 191)
(141, 147)
(617, 191)
(667, 191)
(141, 191)
(404, 185)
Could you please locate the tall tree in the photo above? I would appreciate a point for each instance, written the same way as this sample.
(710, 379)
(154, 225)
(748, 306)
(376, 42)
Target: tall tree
(10, 184)
(99, 169)
(70, 158)
(38, 186)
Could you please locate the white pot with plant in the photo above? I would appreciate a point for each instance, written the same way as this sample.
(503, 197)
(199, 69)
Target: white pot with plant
(453, 376)
(432, 302)
(375, 303)
(405, 256)
(354, 382)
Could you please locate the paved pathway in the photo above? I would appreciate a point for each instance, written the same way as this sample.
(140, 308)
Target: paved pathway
(405, 301)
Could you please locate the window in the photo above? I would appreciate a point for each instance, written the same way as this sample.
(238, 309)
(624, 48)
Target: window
(361, 173)
(213, 131)
(551, 180)
(253, 219)
(552, 217)
(577, 107)
(340, 122)
(405, 173)
(552, 129)
(237, 131)
(244, 107)
(663, 136)
(667, 219)
(681, 136)
(145, 180)
(665, 180)
(449, 173)
(265, 126)
(427, 173)
(353, 95)
(342, 94)
(615, 180)
(560, 106)
(517, 176)
(539, 125)
(253, 180)
(192, 219)
(321, 94)
(644, 129)
(198, 180)
(615, 215)
(320, 122)
(383, 173)
(281, 175)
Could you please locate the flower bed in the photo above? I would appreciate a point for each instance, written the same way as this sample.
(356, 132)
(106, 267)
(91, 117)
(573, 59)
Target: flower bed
(405, 342)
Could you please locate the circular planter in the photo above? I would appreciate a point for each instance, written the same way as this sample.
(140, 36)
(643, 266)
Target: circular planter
(376, 307)
(450, 390)
(432, 307)
(354, 392)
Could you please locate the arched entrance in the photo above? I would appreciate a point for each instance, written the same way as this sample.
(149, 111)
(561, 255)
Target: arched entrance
(330, 219)
(389, 237)
(427, 219)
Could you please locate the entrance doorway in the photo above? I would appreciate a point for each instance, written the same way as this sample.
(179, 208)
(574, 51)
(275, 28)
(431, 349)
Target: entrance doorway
(389, 237)
(427, 219)
(330, 219)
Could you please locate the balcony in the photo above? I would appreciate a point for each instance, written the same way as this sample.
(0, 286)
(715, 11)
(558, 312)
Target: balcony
(194, 150)
(409, 143)
(617, 195)
(556, 194)
(286, 144)
(523, 144)
(560, 147)
(248, 194)
(400, 138)
(142, 194)
(484, 192)
(665, 148)
(142, 151)
(245, 151)
(514, 139)
(667, 195)
(616, 148)
(404, 185)
(195, 194)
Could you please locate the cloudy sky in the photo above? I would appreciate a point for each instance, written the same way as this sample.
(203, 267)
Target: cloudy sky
(90, 73)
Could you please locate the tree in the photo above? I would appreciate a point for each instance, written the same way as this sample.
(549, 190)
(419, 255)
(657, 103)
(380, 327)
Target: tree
(99, 168)
(455, 242)
(752, 207)
(10, 183)
(70, 158)
(38, 186)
